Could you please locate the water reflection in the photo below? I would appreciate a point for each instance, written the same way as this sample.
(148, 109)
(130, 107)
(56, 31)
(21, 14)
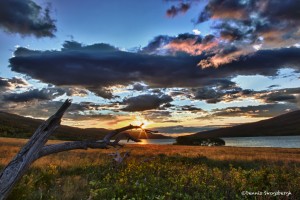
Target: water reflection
(270, 141)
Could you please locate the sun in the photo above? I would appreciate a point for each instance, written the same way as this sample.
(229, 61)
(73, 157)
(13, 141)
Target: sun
(138, 120)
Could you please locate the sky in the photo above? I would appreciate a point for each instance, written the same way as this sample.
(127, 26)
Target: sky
(178, 66)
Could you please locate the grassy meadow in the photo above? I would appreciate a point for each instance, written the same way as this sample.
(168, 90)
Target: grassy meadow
(158, 172)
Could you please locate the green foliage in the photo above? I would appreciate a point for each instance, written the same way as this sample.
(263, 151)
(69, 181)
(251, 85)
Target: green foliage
(159, 177)
(195, 141)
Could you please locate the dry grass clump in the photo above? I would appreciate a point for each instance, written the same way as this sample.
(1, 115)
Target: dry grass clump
(157, 172)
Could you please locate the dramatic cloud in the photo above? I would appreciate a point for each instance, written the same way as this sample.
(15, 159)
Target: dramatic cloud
(215, 95)
(265, 61)
(72, 91)
(182, 93)
(35, 94)
(26, 18)
(208, 94)
(243, 27)
(274, 21)
(192, 44)
(191, 108)
(156, 46)
(186, 42)
(288, 95)
(101, 91)
(175, 10)
(12, 83)
(4, 83)
(139, 87)
(145, 102)
(98, 67)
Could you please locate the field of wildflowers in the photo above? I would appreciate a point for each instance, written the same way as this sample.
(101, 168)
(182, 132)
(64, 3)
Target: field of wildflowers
(160, 172)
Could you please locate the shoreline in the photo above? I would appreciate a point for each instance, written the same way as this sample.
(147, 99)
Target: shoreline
(10, 146)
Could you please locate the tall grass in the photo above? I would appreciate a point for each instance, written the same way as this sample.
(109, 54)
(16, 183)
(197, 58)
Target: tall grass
(158, 172)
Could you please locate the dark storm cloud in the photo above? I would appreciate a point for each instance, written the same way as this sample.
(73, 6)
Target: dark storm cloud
(158, 91)
(191, 108)
(273, 86)
(145, 102)
(139, 87)
(179, 9)
(224, 8)
(11, 83)
(220, 90)
(100, 66)
(18, 81)
(182, 43)
(223, 84)
(26, 18)
(275, 21)
(35, 94)
(282, 97)
(244, 26)
(156, 44)
(4, 83)
(208, 94)
(102, 92)
(214, 95)
(288, 95)
(70, 91)
(182, 92)
(236, 31)
(266, 61)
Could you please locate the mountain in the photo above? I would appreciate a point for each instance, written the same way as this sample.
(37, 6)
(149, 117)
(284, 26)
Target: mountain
(16, 126)
(282, 125)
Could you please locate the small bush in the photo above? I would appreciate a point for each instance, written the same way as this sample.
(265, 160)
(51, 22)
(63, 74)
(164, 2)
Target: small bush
(197, 141)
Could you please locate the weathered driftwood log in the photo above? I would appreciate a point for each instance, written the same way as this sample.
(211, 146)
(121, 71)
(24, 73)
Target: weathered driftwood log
(35, 148)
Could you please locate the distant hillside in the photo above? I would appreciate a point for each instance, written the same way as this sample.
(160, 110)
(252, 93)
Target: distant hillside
(282, 125)
(12, 125)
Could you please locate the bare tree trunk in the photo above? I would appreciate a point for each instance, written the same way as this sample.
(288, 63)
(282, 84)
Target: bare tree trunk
(35, 148)
(18, 166)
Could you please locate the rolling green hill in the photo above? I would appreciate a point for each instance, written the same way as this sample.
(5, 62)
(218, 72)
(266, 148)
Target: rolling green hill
(16, 126)
(282, 125)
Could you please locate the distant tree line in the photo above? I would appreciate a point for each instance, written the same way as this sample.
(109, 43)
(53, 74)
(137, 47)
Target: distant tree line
(198, 141)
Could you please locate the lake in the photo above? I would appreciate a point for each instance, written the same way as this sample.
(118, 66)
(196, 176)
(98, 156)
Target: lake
(268, 141)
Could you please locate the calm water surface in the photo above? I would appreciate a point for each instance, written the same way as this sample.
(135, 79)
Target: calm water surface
(151, 141)
(270, 141)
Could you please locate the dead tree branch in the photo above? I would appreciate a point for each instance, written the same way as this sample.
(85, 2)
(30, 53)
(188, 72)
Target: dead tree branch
(19, 165)
(35, 148)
